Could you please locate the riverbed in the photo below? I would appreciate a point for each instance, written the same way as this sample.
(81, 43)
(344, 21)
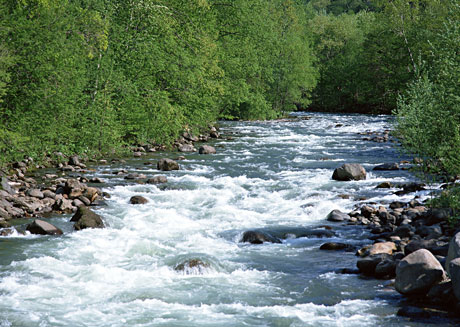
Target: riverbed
(273, 175)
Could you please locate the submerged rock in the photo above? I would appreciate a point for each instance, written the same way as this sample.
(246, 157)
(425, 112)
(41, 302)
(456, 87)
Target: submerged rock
(258, 237)
(167, 165)
(387, 166)
(192, 266)
(349, 172)
(157, 180)
(334, 246)
(41, 227)
(137, 199)
(86, 218)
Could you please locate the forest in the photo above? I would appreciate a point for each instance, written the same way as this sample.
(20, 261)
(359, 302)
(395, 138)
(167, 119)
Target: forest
(90, 76)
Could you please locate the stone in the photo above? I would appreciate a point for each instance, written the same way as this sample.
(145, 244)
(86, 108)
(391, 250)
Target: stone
(74, 188)
(257, 237)
(385, 185)
(77, 203)
(63, 205)
(387, 166)
(192, 267)
(186, 148)
(5, 185)
(207, 149)
(91, 193)
(96, 180)
(74, 161)
(413, 312)
(49, 194)
(135, 176)
(334, 246)
(35, 193)
(418, 272)
(137, 199)
(367, 211)
(434, 246)
(157, 180)
(85, 200)
(337, 216)
(86, 218)
(386, 268)
(367, 265)
(41, 227)
(348, 172)
(137, 154)
(454, 270)
(382, 247)
(453, 252)
(437, 215)
(167, 165)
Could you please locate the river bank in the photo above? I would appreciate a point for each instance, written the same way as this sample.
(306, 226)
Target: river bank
(203, 212)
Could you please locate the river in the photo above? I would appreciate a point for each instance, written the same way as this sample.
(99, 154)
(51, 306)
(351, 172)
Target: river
(274, 175)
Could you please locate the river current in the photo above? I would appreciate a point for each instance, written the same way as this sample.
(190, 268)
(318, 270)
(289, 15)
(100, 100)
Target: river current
(272, 175)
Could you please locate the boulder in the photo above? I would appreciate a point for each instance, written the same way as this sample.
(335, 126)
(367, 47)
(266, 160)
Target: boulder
(453, 252)
(63, 205)
(367, 265)
(387, 166)
(382, 248)
(367, 211)
(434, 246)
(85, 218)
(337, 216)
(157, 180)
(385, 185)
(349, 172)
(418, 272)
(35, 193)
(454, 270)
(91, 193)
(192, 267)
(207, 149)
(258, 237)
(137, 199)
(186, 148)
(5, 185)
(41, 227)
(74, 161)
(74, 188)
(167, 165)
(386, 268)
(334, 246)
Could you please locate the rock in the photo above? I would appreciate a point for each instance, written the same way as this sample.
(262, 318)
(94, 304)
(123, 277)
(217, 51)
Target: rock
(157, 180)
(348, 172)
(96, 180)
(367, 265)
(257, 237)
(367, 211)
(135, 176)
(91, 193)
(74, 188)
(167, 165)
(453, 252)
(74, 161)
(137, 199)
(186, 148)
(35, 193)
(207, 149)
(386, 268)
(192, 267)
(63, 205)
(404, 231)
(397, 204)
(337, 216)
(85, 218)
(413, 312)
(381, 248)
(434, 246)
(77, 203)
(334, 246)
(49, 194)
(418, 272)
(137, 154)
(85, 200)
(67, 168)
(385, 185)
(443, 292)
(437, 215)
(387, 166)
(41, 227)
(5, 185)
(454, 270)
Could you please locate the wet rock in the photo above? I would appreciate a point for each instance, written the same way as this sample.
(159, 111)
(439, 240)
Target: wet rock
(186, 148)
(77, 203)
(86, 218)
(84, 200)
(190, 137)
(418, 272)
(258, 237)
(348, 172)
(137, 199)
(207, 149)
(397, 204)
(387, 166)
(453, 252)
(167, 165)
(4, 224)
(434, 246)
(334, 246)
(7, 232)
(405, 230)
(367, 265)
(96, 180)
(367, 211)
(386, 268)
(157, 180)
(337, 216)
(385, 185)
(413, 312)
(442, 292)
(41, 227)
(454, 271)
(135, 176)
(35, 193)
(192, 266)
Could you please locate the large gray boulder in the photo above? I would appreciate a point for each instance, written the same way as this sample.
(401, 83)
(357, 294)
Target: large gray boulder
(85, 218)
(207, 149)
(349, 172)
(41, 227)
(418, 272)
(453, 252)
(167, 164)
(337, 216)
(454, 268)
